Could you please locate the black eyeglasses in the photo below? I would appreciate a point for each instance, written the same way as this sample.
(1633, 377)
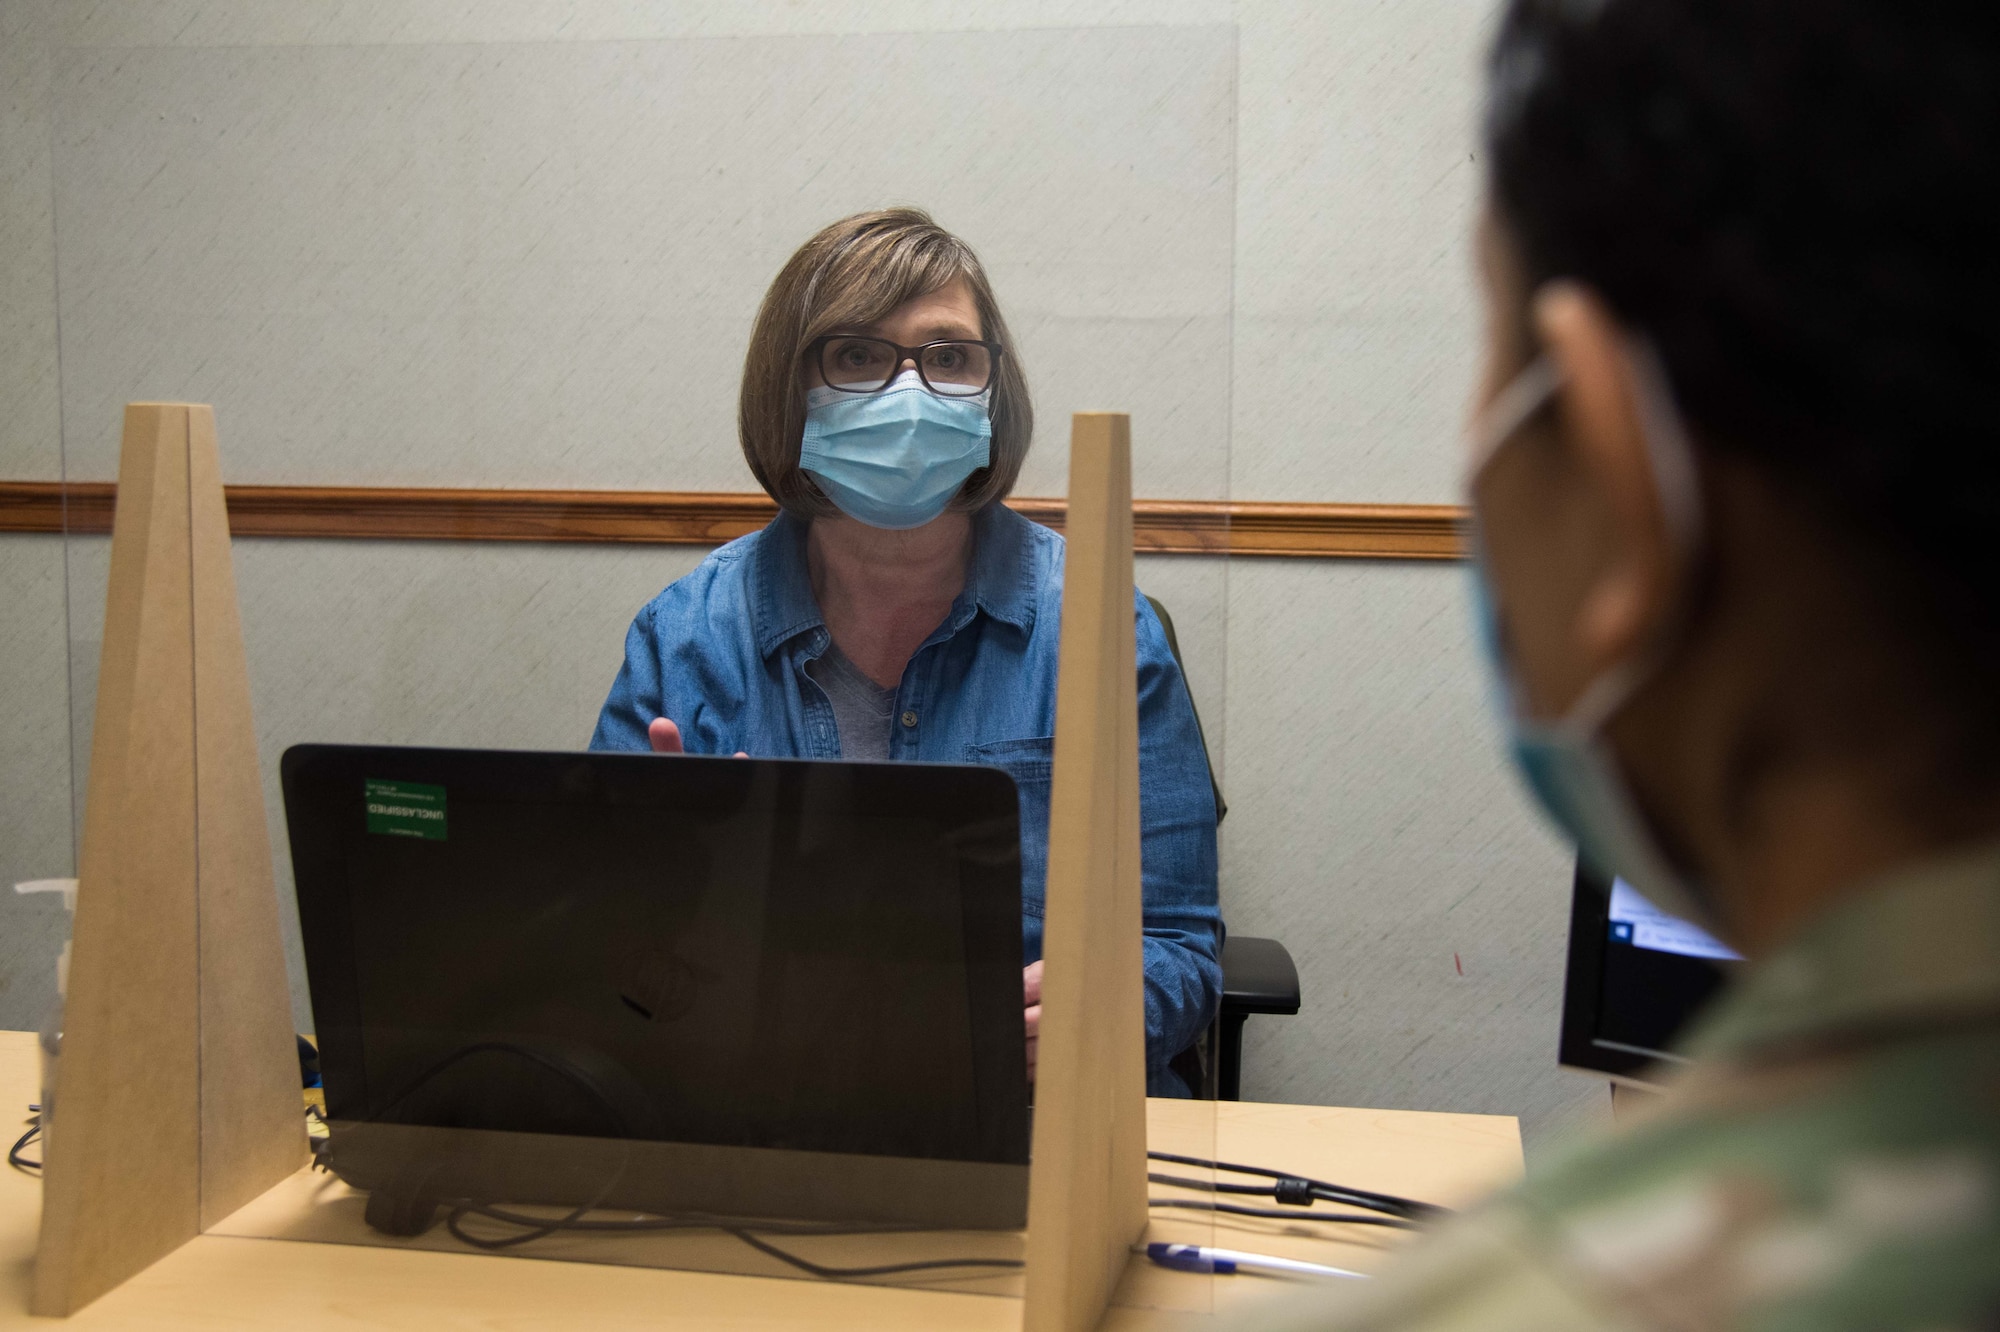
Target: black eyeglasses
(951, 369)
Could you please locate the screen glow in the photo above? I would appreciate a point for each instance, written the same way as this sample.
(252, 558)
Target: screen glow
(1638, 922)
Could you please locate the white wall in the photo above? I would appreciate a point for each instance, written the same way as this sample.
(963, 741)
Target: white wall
(419, 242)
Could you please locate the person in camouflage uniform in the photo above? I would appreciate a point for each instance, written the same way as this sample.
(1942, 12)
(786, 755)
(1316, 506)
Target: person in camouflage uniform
(1832, 1162)
(1736, 478)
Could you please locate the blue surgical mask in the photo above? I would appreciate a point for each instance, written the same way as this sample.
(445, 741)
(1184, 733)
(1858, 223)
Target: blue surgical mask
(894, 459)
(1567, 763)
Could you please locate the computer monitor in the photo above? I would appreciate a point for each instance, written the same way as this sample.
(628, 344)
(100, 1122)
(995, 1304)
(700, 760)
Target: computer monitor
(1636, 977)
(746, 987)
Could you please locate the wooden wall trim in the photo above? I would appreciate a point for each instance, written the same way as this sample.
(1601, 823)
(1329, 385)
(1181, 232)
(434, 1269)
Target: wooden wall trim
(691, 518)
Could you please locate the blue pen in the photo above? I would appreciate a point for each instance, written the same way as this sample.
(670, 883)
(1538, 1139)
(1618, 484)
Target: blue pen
(1224, 1262)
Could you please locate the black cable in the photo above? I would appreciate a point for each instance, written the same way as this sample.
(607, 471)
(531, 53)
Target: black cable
(534, 1228)
(1379, 1202)
(1216, 1186)
(539, 1226)
(1286, 1213)
(887, 1269)
(1409, 1209)
(1298, 1193)
(1209, 1187)
(560, 1067)
(505, 1217)
(693, 1221)
(537, 1229)
(14, 1157)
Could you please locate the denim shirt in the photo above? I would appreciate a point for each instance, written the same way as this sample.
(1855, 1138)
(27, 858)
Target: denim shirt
(723, 653)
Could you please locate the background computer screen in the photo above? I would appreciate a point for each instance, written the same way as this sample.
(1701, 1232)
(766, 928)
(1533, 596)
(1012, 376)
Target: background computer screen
(1637, 976)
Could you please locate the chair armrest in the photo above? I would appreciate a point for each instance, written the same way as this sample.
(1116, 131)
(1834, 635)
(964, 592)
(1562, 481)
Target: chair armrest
(1258, 977)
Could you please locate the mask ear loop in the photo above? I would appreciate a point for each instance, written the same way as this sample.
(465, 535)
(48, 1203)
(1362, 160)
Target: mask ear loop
(1492, 428)
(1670, 459)
(1502, 419)
(1668, 449)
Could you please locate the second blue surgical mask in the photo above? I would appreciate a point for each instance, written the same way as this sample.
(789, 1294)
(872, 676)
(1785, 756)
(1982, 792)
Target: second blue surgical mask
(1567, 763)
(896, 458)
(1571, 772)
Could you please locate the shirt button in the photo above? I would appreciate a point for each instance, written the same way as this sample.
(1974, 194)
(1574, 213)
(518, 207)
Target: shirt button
(909, 720)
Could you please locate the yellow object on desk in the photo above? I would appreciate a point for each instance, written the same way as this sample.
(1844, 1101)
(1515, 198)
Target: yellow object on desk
(228, 1279)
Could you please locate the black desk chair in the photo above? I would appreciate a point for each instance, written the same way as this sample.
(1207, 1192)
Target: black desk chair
(1257, 977)
(1257, 974)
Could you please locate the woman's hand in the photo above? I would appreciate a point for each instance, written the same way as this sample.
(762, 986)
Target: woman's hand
(665, 738)
(1031, 994)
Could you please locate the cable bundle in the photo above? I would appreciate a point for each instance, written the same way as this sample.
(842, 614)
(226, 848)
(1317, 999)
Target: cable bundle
(1296, 1193)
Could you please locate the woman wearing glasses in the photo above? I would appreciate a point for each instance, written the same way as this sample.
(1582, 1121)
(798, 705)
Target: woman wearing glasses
(895, 609)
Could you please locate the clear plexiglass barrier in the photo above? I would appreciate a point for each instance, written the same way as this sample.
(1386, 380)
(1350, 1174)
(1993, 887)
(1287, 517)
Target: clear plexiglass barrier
(476, 323)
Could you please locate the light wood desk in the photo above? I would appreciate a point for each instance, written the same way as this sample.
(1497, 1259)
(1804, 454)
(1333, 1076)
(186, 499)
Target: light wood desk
(227, 1281)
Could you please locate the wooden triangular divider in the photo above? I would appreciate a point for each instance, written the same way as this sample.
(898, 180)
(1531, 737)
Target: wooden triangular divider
(178, 1093)
(1087, 1185)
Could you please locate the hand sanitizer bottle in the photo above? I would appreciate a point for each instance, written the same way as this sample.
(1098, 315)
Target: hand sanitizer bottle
(52, 1022)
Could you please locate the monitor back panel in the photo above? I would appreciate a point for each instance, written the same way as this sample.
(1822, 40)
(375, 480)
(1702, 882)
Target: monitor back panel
(1630, 995)
(774, 955)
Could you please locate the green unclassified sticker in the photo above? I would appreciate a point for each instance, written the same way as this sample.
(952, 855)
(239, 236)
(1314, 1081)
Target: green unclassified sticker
(405, 809)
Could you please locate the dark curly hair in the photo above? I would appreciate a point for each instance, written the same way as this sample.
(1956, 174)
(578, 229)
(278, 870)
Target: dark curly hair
(1798, 202)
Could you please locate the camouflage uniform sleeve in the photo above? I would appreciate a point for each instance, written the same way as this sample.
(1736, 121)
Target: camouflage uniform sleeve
(1481, 1273)
(1830, 1162)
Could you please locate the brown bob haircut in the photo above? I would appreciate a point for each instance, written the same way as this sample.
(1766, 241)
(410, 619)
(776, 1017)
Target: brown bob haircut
(849, 275)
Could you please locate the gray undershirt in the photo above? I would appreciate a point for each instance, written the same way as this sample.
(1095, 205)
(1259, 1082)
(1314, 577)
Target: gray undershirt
(864, 713)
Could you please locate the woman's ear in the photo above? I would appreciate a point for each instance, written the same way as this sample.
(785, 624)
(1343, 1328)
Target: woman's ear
(1602, 422)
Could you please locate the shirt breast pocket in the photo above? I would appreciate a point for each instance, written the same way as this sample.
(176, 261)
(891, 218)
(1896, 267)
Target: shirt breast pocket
(1029, 763)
